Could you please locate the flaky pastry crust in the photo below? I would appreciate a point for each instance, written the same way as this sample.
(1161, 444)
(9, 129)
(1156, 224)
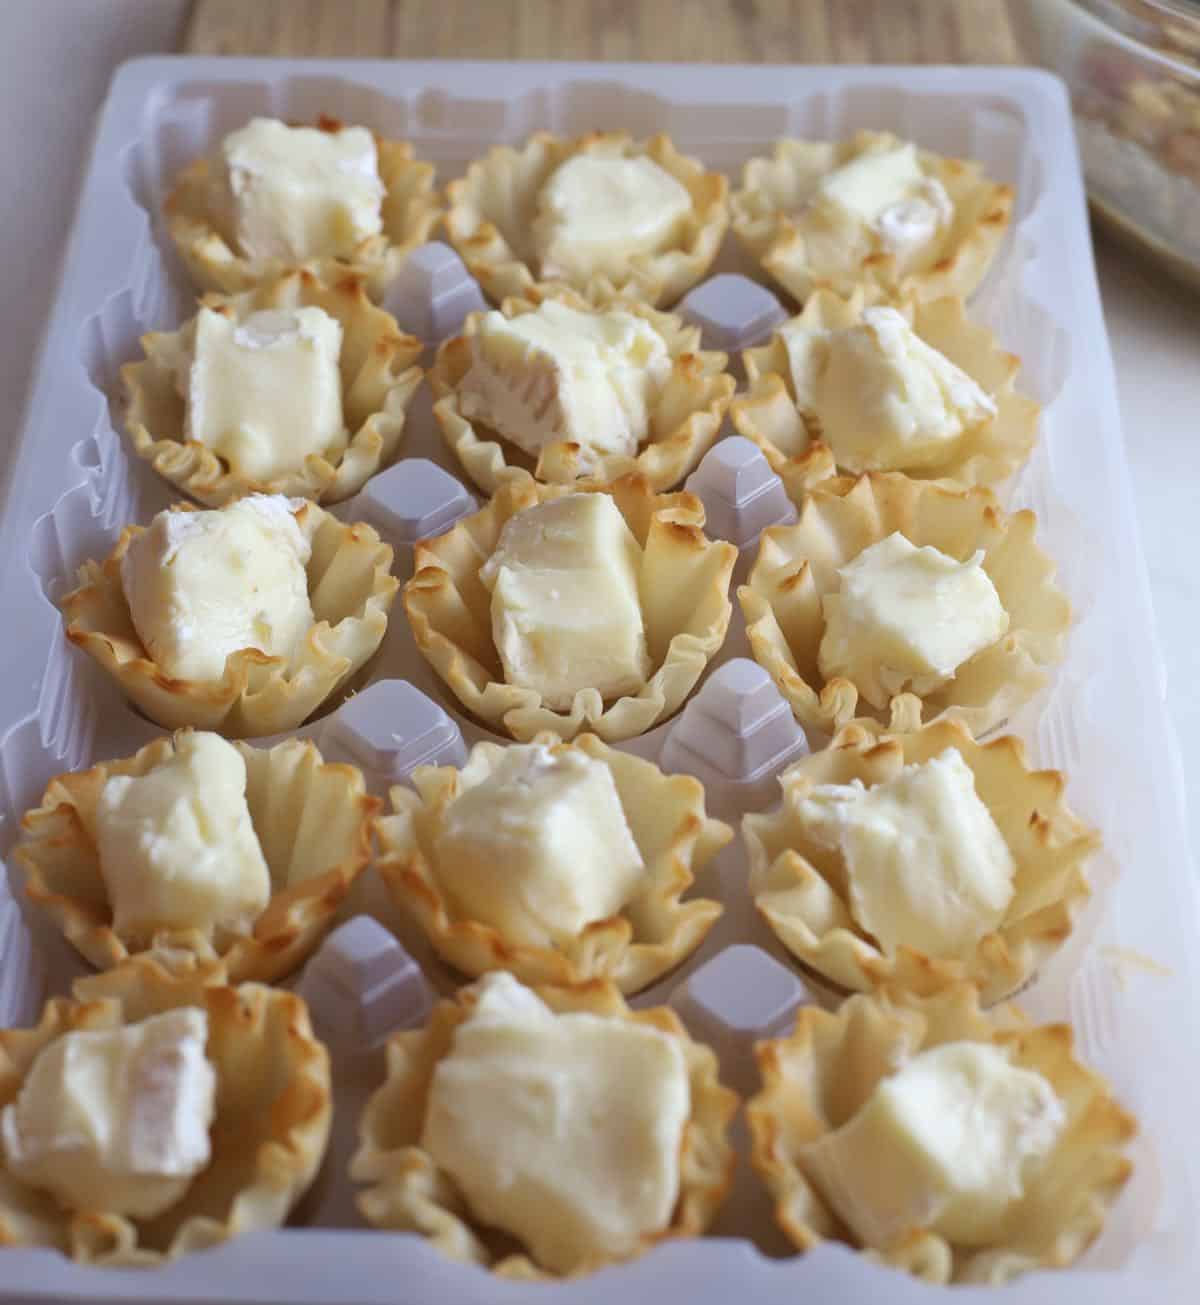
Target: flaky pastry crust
(350, 587)
(802, 892)
(407, 1192)
(819, 1076)
(683, 585)
(685, 418)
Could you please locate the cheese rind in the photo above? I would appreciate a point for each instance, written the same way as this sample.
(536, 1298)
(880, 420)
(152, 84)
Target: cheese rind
(927, 866)
(537, 845)
(177, 846)
(598, 209)
(558, 374)
(566, 614)
(886, 400)
(905, 618)
(116, 1121)
(295, 193)
(564, 1130)
(203, 585)
(265, 393)
(948, 1143)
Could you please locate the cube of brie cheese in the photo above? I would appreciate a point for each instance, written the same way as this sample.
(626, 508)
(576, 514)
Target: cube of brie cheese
(298, 192)
(906, 618)
(886, 400)
(926, 864)
(566, 614)
(948, 1143)
(598, 209)
(265, 393)
(116, 1121)
(203, 585)
(558, 374)
(886, 191)
(564, 1130)
(537, 845)
(177, 847)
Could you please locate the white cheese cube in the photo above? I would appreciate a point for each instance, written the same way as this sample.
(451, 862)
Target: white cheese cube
(598, 209)
(906, 618)
(869, 182)
(298, 192)
(177, 846)
(116, 1121)
(563, 1130)
(565, 608)
(538, 845)
(947, 1143)
(266, 393)
(202, 585)
(926, 864)
(558, 374)
(885, 398)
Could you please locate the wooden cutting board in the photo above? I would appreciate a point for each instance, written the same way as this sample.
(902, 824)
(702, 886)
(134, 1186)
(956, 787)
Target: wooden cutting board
(706, 31)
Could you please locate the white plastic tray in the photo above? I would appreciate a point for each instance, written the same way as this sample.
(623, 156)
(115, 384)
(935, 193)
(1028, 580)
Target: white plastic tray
(1102, 721)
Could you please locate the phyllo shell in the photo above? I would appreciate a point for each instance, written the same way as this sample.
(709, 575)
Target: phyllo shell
(410, 211)
(790, 432)
(807, 248)
(797, 565)
(274, 1104)
(379, 377)
(648, 937)
(492, 209)
(685, 417)
(803, 894)
(683, 588)
(350, 587)
(408, 1192)
(313, 822)
(820, 1075)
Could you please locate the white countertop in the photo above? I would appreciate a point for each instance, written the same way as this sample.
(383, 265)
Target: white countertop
(56, 57)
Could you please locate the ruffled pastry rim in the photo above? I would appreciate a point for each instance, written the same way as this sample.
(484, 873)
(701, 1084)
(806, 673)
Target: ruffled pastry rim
(57, 839)
(411, 210)
(606, 949)
(790, 438)
(504, 173)
(258, 694)
(1048, 841)
(443, 593)
(408, 1192)
(379, 391)
(784, 619)
(295, 1121)
(698, 393)
(775, 240)
(848, 1051)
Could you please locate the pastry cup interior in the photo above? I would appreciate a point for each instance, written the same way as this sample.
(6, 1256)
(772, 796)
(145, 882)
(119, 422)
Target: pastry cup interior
(811, 248)
(797, 565)
(801, 889)
(379, 377)
(683, 586)
(350, 586)
(492, 208)
(789, 432)
(819, 1076)
(685, 418)
(274, 1105)
(313, 821)
(648, 937)
(408, 1192)
(199, 228)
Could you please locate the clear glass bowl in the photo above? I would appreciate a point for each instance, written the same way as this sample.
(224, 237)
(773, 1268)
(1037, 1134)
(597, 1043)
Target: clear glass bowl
(1133, 71)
